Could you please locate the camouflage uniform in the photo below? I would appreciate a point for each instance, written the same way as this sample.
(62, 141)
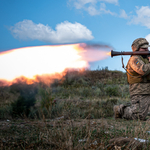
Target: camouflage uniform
(139, 87)
(138, 75)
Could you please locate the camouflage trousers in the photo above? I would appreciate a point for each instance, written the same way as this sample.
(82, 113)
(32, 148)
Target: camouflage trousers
(139, 108)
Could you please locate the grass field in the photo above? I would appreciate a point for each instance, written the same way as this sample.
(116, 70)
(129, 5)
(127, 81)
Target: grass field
(74, 112)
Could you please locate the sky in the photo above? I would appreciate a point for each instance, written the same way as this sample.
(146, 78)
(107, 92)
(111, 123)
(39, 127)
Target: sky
(116, 23)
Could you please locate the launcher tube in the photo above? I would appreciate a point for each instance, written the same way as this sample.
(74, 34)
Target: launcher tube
(114, 53)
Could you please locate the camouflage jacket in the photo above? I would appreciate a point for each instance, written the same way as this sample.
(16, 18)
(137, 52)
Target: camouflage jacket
(138, 74)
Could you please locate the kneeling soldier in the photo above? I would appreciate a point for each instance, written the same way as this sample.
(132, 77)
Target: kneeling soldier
(138, 75)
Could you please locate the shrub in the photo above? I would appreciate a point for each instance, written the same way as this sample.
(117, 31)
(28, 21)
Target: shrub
(21, 106)
(107, 107)
(47, 101)
(5, 112)
(85, 92)
(24, 89)
(112, 91)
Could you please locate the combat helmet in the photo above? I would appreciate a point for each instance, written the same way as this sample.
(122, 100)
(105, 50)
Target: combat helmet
(139, 43)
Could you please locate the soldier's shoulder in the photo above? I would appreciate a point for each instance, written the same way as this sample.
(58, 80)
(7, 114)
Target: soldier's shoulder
(134, 57)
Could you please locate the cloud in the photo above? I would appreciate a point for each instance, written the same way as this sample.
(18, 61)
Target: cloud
(103, 10)
(91, 6)
(110, 1)
(81, 3)
(142, 16)
(123, 14)
(92, 11)
(64, 32)
(148, 38)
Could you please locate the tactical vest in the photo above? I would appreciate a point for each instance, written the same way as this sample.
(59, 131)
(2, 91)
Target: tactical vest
(134, 77)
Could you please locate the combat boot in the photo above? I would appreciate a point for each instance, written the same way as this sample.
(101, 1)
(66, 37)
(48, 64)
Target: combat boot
(117, 113)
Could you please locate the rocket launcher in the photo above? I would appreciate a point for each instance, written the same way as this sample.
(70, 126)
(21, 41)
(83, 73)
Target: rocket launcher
(114, 53)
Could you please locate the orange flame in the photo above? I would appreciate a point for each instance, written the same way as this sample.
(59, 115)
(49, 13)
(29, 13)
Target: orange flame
(42, 60)
(109, 53)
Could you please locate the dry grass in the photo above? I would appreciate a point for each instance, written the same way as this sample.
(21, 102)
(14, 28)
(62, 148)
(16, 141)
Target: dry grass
(60, 133)
(75, 112)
